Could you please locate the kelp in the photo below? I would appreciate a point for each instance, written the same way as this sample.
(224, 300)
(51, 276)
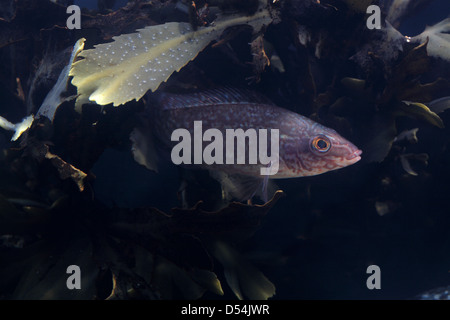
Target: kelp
(54, 98)
(375, 88)
(243, 278)
(18, 128)
(403, 85)
(421, 111)
(123, 253)
(405, 161)
(127, 68)
(143, 250)
(438, 39)
(439, 105)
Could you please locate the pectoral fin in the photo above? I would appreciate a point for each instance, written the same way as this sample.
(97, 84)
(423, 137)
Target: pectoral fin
(242, 188)
(143, 148)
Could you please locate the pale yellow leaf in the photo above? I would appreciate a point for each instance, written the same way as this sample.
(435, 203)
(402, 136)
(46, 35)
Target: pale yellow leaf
(127, 68)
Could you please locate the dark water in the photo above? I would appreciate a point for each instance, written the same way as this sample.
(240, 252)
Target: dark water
(431, 13)
(318, 240)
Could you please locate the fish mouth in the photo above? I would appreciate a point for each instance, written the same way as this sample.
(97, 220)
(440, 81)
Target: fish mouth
(354, 157)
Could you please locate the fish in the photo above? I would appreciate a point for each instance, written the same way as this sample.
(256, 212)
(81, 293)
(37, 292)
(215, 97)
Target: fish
(306, 148)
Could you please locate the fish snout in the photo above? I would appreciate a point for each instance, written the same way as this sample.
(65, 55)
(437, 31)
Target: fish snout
(354, 156)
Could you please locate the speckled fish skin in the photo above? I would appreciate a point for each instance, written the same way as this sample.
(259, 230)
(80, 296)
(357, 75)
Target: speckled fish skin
(232, 109)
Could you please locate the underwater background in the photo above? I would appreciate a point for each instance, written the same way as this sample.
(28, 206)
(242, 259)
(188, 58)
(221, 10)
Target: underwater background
(71, 192)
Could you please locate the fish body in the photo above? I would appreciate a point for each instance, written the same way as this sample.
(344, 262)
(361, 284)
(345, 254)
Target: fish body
(306, 147)
(232, 109)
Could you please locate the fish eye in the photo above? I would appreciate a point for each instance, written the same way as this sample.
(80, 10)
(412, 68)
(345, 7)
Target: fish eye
(321, 144)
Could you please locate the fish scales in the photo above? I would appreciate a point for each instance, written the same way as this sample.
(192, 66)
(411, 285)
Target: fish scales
(233, 109)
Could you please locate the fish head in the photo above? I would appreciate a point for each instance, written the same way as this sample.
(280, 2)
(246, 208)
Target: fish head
(323, 149)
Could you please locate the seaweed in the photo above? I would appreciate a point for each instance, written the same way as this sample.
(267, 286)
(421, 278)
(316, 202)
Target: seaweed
(127, 68)
(385, 92)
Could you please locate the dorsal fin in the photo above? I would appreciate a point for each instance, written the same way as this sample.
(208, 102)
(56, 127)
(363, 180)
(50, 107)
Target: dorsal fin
(211, 97)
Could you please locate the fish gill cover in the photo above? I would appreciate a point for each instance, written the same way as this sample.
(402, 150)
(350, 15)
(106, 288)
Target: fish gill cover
(72, 194)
